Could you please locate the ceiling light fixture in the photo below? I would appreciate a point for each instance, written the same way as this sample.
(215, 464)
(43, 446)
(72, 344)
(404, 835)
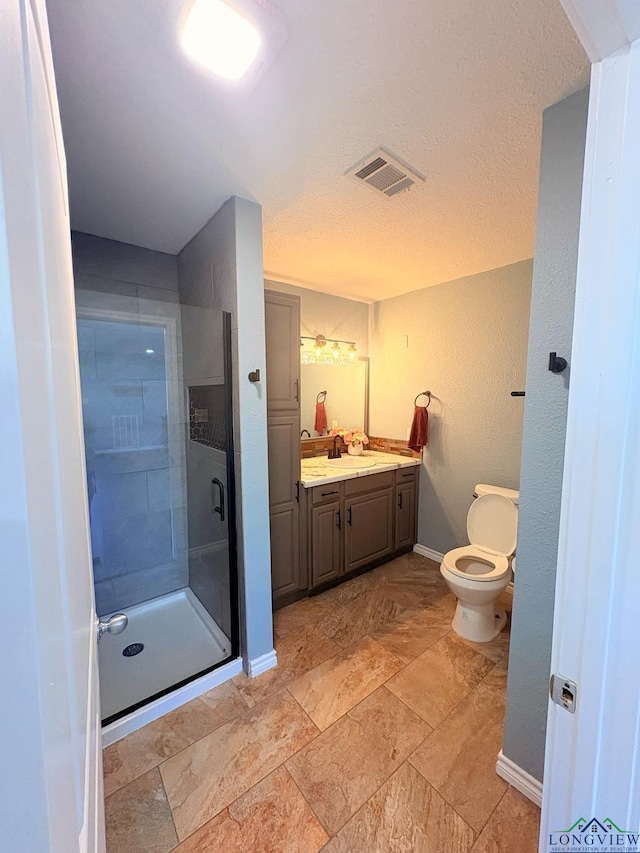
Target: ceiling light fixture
(220, 38)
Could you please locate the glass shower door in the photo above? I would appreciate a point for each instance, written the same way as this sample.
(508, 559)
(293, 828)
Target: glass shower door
(156, 406)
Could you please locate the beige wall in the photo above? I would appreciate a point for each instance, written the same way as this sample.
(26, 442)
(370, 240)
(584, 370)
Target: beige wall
(466, 341)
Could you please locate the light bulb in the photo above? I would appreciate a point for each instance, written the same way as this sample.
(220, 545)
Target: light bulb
(336, 351)
(352, 352)
(220, 38)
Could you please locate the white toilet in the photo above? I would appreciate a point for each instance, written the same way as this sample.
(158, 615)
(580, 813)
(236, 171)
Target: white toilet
(479, 572)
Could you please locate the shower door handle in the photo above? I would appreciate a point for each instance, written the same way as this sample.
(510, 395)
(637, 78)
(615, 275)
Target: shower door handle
(115, 625)
(214, 506)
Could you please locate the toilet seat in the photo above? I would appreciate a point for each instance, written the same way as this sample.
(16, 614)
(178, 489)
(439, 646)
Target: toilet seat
(497, 564)
(492, 524)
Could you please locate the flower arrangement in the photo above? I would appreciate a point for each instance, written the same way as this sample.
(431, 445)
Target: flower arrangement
(355, 436)
(351, 436)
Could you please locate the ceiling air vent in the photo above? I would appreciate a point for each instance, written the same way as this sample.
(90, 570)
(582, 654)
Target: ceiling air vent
(384, 173)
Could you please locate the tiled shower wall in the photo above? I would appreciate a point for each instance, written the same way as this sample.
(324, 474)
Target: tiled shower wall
(135, 420)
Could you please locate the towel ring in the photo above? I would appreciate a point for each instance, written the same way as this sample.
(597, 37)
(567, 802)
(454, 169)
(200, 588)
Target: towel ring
(426, 394)
(322, 394)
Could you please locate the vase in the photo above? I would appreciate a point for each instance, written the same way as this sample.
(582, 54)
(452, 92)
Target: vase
(355, 449)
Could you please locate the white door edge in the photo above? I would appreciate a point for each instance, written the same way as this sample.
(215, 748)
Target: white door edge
(591, 759)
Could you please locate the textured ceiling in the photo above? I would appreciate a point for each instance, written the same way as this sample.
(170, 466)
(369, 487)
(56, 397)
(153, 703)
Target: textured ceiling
(454, 88)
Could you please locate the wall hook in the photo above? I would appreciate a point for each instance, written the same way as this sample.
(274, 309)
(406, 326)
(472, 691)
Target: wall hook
(254, 376)
(556, 363)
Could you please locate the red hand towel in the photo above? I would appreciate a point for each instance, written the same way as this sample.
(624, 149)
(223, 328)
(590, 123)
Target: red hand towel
(419, 429)
(321, 419)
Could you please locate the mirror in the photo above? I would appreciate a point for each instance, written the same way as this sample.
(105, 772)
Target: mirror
(347, 398)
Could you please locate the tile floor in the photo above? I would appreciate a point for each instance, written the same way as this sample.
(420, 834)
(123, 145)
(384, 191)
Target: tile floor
(378, 732)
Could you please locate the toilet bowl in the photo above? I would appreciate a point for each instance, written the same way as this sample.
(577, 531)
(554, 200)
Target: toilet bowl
(478, 573)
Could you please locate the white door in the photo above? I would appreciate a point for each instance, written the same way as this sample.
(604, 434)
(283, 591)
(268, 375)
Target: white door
(591, 794)
(50, 770)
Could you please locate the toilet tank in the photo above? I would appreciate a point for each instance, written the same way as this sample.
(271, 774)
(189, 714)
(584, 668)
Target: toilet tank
(486, 489)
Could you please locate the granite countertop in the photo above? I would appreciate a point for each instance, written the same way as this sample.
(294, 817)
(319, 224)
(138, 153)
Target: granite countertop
(314, 473)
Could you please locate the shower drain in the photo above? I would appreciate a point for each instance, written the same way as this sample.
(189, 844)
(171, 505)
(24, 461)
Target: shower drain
(133, 649)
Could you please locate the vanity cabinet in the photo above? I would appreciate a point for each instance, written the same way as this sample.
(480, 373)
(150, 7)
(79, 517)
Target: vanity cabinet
(406, 505)
(350, 526)
(369, 532)
(282, 325)
(326, 536)
(284, 508)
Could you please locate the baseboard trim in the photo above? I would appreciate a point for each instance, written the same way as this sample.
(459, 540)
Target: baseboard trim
(428, 552)
(262, 664)
(519, 778)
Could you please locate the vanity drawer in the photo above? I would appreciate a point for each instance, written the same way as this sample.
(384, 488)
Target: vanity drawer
(325, 494)
(406, 475)
(369, 483)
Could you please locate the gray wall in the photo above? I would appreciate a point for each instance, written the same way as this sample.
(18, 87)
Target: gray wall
(222, 268)
(328, 315)
(138, 496)
(466, 341)
(551, 325)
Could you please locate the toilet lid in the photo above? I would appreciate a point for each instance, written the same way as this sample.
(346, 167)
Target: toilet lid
(492, 524)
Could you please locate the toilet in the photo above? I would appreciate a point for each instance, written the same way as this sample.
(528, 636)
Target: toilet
(478, 573)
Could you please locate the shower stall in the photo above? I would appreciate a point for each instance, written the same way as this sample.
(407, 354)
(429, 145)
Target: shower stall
(157, 408)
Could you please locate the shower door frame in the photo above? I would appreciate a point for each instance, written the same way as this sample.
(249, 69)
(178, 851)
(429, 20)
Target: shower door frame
(156, 706)
(175, 405)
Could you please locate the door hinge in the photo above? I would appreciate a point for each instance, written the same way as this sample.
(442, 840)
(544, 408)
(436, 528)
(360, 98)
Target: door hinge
(564, 692)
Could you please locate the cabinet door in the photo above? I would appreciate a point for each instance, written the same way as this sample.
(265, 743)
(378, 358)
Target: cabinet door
(369, 528)
(405, 532)
(326, 536)
(282, 331)
(284, 509)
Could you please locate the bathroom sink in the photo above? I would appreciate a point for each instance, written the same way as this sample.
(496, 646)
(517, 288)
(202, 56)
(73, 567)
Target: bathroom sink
(349, 462)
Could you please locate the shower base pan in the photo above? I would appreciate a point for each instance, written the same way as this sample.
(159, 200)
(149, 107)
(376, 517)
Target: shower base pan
(179, 640)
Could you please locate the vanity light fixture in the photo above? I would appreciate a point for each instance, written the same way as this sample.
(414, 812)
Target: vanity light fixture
(319, 353)
(220, 38)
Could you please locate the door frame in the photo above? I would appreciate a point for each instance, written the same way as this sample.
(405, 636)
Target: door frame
(591, 759)
(51, 772)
